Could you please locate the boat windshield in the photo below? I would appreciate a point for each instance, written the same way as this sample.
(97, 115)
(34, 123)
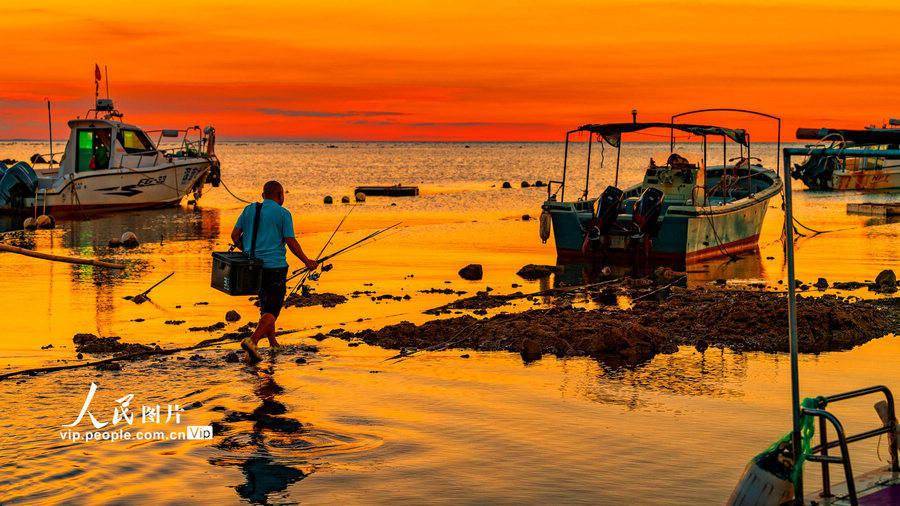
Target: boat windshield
(135, 141)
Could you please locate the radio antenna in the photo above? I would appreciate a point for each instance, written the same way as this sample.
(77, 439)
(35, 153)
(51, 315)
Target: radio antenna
(50, 128)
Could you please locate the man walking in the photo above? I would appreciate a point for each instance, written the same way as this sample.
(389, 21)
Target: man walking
(276, 230)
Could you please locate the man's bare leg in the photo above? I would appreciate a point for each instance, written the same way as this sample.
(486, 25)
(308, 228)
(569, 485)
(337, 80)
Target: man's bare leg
(265, 327)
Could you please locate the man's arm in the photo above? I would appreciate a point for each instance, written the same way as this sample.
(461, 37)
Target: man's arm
(236, 236)
(295, 248)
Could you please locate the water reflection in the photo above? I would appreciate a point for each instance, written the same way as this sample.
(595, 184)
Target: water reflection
(748, 265)
(264, 473)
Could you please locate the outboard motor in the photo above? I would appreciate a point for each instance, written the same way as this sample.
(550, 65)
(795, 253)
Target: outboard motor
(17, 183)
(607, 212)
(647, 210)
(816, 171)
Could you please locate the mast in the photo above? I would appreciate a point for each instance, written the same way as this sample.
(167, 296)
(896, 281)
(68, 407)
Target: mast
(792, 326)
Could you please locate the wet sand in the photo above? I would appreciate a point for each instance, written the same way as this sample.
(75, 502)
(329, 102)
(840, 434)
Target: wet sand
(436, 425)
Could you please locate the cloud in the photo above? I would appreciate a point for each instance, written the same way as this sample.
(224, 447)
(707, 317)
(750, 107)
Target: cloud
(326, 114)
(470, 124)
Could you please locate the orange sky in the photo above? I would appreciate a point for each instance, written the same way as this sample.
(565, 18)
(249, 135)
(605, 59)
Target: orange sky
(461, 70)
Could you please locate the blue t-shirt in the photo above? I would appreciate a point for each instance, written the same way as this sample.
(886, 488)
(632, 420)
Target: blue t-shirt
(275, 224)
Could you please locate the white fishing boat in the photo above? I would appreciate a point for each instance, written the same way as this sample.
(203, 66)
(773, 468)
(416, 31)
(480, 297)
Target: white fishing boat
(109, 165)
(842, 172)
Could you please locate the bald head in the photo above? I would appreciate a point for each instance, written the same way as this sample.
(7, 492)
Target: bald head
(274, 191)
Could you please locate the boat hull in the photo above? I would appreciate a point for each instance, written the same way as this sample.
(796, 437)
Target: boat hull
(120, 189)
(686, 234)
(887, 179)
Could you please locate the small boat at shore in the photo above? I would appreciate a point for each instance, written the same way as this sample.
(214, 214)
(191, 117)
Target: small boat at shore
(840, 172)
(682, 212)
(109, 165)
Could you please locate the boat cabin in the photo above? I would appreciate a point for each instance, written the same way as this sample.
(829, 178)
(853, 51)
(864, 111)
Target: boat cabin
(100, 144)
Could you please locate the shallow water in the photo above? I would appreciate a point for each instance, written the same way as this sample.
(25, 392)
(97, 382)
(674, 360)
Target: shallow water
(435, 428)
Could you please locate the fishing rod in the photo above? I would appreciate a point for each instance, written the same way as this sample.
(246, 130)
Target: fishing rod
(302, 282)
(304, 270)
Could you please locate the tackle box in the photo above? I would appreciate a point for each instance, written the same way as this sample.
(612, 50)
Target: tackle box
(236, 273)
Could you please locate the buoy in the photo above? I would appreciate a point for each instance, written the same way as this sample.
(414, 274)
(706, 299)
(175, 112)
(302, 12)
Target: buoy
(526, 217)
(539, 183)
(506, 185)
(345, 200)
(328, 199)
(129, 240)
(360, 197)
(29, 224)
(526, 184)
(545, 226)
(45, 221)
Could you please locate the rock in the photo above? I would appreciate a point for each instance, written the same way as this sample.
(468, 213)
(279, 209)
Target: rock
(464, 355)
(47, 347)
(45, 222)
(471, 272)
(208, 328)
(360, 197)
(885, 282)
(848, 285)
(526, 217)
(232, 316)
(114, 243)
(232, 357)
(129, 240)
(328, 199)
(109, 366)
(506, 185)
(345, 200)
(539, 184)
(29, 224)
(300, 361)
(353, 344)
(821, 283)
(701, 345)
(531, 350)
(79, 356)
(532, 272)
(90, 343)
(525, 184)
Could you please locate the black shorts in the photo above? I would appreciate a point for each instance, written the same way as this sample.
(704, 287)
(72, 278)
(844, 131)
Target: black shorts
(272, 289)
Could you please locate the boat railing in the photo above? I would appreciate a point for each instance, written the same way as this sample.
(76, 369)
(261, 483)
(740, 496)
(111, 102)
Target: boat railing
(820, 453)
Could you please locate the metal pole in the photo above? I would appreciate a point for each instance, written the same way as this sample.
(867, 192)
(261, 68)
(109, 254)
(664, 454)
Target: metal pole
(792, 327)
(106, 73)
(50, 127)
(618, 152)
(587, 175)
(562, 191)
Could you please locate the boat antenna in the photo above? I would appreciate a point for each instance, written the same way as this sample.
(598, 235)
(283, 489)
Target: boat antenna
(50, 129)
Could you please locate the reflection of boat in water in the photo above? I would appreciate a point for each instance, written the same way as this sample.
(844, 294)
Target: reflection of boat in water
(682, 212)
(110, 165)
(840, 172)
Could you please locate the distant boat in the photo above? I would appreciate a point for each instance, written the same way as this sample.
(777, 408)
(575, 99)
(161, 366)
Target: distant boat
(834, 172)
(109, 165)
(388, 191)
(682, 212)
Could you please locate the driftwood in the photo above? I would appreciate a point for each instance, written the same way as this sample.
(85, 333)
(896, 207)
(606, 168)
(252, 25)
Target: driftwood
(59, 258)
(134, 356)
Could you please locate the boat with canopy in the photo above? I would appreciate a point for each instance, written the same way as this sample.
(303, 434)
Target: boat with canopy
(683, 211)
